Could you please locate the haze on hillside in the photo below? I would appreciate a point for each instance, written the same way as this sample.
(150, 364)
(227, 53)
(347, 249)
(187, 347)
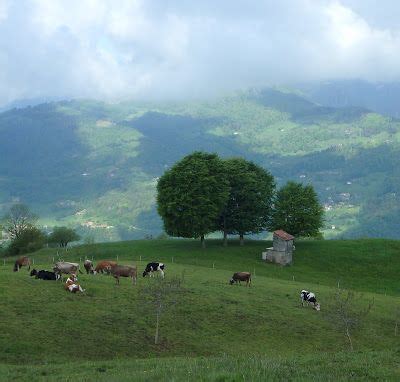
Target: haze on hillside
(114, 50)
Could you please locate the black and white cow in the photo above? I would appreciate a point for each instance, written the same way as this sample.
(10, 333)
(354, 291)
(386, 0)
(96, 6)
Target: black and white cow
(154, 267)
(309, 297)
(45, 275)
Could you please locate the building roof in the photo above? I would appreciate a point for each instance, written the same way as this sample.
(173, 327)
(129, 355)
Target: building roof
(283, 235)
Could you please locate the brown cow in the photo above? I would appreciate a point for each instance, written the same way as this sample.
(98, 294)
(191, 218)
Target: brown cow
(20, 262)
(241, 276)
(104, 266)
(124, 271)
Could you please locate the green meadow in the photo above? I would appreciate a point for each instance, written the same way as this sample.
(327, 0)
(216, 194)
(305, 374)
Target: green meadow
(212, 331)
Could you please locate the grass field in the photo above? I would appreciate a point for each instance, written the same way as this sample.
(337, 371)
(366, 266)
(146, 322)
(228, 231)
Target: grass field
(215, 331)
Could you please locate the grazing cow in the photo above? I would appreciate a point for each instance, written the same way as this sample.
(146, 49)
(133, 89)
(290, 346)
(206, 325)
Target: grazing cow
(104, 266)
(309, 298)
(88, 264)
(65, 267)
(124, 271)
(72, 285)
(241, 276)
(20, 262)
(45, 275)
(154, 267)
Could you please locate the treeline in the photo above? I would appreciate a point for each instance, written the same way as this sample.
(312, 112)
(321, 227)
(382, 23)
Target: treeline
(25, 236)
(203, 193)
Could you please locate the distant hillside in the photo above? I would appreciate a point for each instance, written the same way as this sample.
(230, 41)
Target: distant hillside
(95, 165)
(383, 98)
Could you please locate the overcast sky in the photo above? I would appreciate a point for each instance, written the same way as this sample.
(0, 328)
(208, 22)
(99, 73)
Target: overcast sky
(142, 49)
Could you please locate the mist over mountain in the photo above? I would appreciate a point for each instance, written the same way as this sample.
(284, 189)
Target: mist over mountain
(179, 50)
(383, 98)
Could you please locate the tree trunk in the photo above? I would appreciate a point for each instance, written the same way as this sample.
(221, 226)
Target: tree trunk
(349, 338)
(203, 242)
(241, 239)
(225, 239)
(157, 328)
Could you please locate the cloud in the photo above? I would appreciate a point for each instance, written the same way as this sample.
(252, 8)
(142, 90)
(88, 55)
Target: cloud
(179, 49)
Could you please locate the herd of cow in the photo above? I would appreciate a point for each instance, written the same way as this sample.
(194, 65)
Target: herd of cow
(117, 271)
(72, 269)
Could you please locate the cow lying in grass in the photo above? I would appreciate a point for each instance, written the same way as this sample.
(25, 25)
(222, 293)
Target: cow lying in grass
(241, 276)
(72, 285)
(45, 275)
(154, 267)
(124, 271)
(309, 298)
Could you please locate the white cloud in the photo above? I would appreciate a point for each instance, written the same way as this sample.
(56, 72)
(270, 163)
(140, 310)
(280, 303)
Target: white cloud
(149, 48)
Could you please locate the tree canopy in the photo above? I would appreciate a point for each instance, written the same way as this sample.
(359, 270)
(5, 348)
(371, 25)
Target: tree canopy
(62, 236)
(29, 240)
(248, 209)
(297, 210)
(18, 219)
(203, 193)
(192, 194)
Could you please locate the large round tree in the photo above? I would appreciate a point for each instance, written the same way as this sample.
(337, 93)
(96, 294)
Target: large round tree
(297, 210)
(249, 206)
(192, 194)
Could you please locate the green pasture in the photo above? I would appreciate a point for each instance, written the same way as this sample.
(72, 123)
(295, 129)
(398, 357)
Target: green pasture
(214, 331)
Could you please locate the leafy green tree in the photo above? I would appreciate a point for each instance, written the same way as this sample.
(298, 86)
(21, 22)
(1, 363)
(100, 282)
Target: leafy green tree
(19, 219)
(249, 205)
(29, 240)
(62, 236)
(192, 194)
(297, 210)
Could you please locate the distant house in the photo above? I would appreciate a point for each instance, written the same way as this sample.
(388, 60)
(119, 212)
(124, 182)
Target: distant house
(282, 250)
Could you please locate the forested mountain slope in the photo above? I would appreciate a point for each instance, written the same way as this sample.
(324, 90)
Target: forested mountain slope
(95, 165)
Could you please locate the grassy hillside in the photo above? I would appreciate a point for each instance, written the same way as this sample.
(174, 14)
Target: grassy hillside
(215, 330)
(95, 166)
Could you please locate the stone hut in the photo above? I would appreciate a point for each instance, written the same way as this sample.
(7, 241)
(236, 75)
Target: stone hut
(282, 250)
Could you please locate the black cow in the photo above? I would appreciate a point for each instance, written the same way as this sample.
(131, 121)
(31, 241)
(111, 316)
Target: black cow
(154, 267)
(45, 275)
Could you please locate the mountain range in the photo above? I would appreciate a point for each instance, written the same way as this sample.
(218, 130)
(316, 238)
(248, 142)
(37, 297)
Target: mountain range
(94, 165)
